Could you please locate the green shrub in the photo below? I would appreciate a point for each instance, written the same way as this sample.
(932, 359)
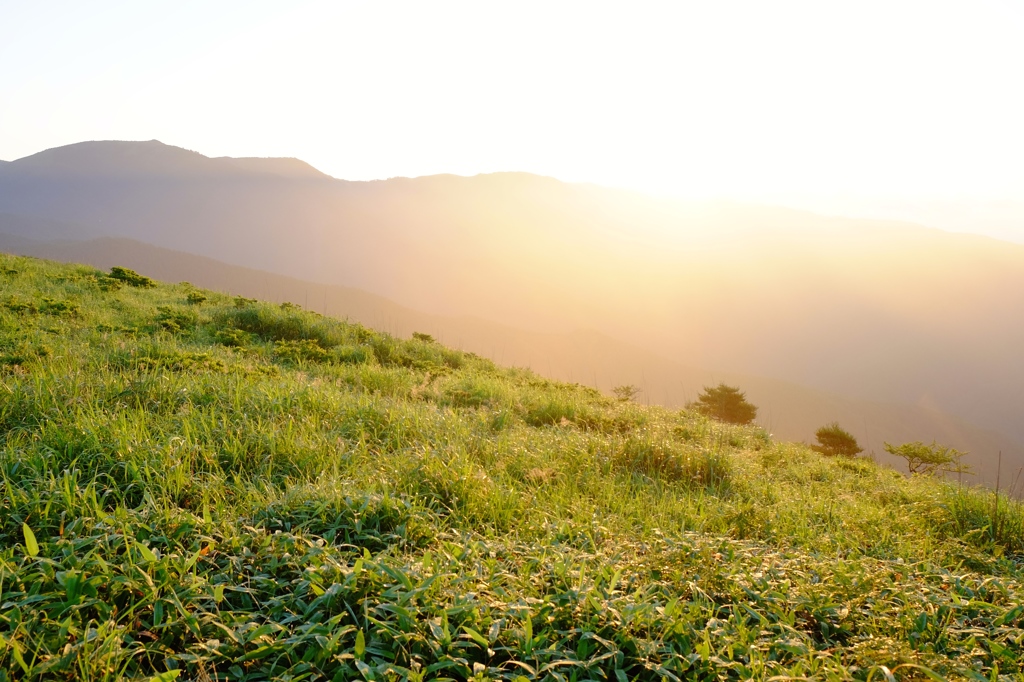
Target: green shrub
(196, 297)
(161, 358)
(131, 278)
(176, 320)
(51, 306)
(430, 357)
(107, 283)
(273, 323)
(304, 350)
(232, 337)
(20, 307)
(834, 441)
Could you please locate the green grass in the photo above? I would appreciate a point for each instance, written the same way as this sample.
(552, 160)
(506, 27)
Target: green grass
(220, 487)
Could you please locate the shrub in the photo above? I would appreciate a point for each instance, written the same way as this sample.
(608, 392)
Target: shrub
(53, 307)
(724, 403)
(425, 338)
(159, 358)
(176, 320)
(274, 323)
(131, 278)
(429, 357)
(107, 283)
(195, 297)
(834, 441)
(232, 337)
(20, 307)
(294, 351)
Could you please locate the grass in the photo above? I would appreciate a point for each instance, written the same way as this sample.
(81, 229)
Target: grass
(203, 487)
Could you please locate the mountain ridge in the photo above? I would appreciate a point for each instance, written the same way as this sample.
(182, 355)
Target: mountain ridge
(128, 157)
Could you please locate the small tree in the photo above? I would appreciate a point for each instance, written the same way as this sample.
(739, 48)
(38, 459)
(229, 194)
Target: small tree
(835, 441)
(626, 392)
(929, 459)
(724, 403)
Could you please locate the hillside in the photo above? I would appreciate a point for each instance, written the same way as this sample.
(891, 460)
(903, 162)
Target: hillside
(789, 411)
(864, 310)
(200, 483)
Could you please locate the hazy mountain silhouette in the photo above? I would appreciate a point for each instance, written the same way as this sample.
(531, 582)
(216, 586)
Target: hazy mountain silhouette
(112, 159)
(878, 311)
(790, 411)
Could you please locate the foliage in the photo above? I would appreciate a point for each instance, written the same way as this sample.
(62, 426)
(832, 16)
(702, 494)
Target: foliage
(229, 336)
(928, 459)
(626, 392)
(194, 503)
(176, 320)
(725, 403)
(667, 461)
(426, 338)
(296, 351)
(131, 278)
(835, 441)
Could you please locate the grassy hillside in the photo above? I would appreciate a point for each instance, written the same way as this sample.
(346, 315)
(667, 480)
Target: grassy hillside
(789, 411)
(209, 487)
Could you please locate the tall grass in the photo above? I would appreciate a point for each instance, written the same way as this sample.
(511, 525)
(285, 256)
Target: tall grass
(227, 488)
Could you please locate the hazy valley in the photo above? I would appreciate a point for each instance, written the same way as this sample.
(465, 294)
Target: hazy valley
(897, 331)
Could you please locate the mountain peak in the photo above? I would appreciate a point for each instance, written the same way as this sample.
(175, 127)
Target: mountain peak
(114, 157)
(154, 158)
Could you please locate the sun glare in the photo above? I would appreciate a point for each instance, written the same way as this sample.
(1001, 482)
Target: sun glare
(751, 101)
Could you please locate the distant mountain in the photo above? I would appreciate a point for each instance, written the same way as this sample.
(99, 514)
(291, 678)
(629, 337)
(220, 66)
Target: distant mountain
(876, 311)
(789, 411)
(115, 159)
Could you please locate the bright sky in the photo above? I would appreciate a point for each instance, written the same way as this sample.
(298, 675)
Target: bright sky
(783, 102)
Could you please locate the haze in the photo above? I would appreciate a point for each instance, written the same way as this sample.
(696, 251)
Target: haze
(905, 332)
(822, 203)
(906, 110)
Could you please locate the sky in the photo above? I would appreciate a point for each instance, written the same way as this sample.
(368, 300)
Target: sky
(883, 109)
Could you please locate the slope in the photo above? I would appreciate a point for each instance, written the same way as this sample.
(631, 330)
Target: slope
(789, 411)
(195, 484)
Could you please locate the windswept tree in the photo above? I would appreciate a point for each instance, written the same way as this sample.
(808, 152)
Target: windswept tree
(929, 459)
(835, 441)
(724, 403)
(626, 393)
